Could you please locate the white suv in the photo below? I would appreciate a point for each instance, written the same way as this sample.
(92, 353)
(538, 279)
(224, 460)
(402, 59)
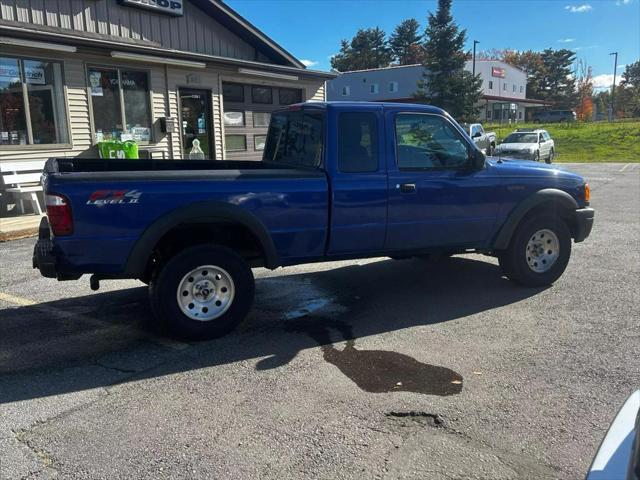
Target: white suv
(528, 144)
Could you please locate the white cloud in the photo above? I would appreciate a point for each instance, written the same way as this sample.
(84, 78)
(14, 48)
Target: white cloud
(579, 8)
(623, 2)
(605, 80)
(567, 40)
(590, 47)
(308, 63)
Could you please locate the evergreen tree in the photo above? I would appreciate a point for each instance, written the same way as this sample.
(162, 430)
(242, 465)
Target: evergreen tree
(558, 84)
(446, 83)
(405, 43)
(367, 49)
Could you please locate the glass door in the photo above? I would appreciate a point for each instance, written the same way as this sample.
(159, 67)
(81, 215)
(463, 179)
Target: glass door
(196, 118)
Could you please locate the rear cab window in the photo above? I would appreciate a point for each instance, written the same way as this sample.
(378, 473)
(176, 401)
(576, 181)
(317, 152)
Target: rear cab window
(295, 138)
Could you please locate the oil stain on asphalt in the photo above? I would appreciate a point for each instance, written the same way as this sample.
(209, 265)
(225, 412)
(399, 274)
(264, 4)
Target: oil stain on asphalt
(378, 371)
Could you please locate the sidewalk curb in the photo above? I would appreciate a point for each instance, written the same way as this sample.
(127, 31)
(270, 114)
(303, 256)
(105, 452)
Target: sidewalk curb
(18, 234)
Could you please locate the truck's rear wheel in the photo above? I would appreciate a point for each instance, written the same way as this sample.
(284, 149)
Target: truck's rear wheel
(539, 252)
(202, 292)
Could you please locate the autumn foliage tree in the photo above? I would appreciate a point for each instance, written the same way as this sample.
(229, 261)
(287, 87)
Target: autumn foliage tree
(584, 109)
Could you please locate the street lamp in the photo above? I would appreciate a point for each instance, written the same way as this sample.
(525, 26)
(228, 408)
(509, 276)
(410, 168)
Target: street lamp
(475, 42)
(613, 87)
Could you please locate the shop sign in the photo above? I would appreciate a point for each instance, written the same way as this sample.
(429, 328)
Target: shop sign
(34, 75)
(497, 72)
(9, 73)
(168, 7)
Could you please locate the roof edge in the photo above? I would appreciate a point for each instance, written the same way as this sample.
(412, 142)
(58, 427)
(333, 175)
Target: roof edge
(258, 34)
(70, 39)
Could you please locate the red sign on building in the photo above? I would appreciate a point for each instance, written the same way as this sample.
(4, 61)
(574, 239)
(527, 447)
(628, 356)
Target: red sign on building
(497, 72)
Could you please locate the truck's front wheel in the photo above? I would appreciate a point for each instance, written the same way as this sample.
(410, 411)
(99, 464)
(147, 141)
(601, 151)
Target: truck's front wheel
(202, 292)
(539, 252)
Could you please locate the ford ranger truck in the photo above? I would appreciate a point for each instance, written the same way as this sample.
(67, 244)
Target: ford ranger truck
(337, 181)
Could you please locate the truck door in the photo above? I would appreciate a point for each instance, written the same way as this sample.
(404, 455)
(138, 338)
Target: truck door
(358, 179)
(435, 199)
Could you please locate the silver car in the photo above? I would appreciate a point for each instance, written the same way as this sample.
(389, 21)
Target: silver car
(528, 144)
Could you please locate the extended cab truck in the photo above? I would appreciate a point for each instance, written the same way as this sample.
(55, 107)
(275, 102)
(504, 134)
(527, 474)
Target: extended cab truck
(337, 181)
(485, 141)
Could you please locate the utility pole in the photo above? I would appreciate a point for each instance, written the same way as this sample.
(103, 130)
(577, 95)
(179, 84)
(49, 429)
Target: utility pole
(475, 42)
(613, 87)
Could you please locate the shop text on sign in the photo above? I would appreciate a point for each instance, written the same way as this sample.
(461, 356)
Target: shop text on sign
(169, 7)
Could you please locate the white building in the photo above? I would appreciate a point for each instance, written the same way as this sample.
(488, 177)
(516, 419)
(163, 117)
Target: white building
(504, 88)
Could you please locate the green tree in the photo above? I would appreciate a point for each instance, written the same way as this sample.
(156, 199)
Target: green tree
(631, 75)
(367, 49)
(532, 64)
(446, 83)
(549, 75)
(558, 84)
(405, 43)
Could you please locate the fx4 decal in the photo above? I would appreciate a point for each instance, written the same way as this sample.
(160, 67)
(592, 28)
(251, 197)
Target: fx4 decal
(114, 197)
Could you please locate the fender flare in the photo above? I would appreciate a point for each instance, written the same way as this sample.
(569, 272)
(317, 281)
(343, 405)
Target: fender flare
(558, 198)
(199, 212)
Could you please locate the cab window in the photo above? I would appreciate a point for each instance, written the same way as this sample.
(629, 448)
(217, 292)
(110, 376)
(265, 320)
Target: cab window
(295, 138)
(428, 142)
(357, 142)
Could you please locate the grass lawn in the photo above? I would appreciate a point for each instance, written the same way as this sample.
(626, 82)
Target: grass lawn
(587, 142)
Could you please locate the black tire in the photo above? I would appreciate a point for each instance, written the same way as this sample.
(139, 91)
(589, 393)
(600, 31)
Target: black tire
(536, 158)
(514, 260)
(550, 157)
(491, 149)
(164, 287)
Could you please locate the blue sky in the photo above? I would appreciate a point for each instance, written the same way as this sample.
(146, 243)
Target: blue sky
(312, 29)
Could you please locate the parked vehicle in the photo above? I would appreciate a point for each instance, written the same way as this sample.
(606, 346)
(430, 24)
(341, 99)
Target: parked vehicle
(485, 141)
(337, 181)
(528, 144)
(619, 454)
(554, 116)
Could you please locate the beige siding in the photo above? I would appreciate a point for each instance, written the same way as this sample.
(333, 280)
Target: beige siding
(196, 31)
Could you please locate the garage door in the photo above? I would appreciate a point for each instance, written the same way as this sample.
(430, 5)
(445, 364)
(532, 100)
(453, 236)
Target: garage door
(247, 111)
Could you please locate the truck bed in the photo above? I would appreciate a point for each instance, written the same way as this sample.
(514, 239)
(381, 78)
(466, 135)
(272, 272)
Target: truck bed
(291, 203)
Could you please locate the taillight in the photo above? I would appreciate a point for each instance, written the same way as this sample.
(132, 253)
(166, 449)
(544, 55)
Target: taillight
(59, 213)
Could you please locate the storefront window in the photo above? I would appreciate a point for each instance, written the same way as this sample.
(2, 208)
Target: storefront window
(261, 119)
(235, 143)
(121, 104)
(233, 92)
(37, 84)
(261, 94)
(290, 95)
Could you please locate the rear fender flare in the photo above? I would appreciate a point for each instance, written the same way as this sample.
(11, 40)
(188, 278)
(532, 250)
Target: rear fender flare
(200, 212)
(557, 199)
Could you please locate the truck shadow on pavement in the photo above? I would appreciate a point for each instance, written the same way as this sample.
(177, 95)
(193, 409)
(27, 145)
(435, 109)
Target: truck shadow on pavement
(106, 338)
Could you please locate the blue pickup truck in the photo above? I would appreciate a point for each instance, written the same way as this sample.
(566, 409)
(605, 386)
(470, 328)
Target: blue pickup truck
(337, 181)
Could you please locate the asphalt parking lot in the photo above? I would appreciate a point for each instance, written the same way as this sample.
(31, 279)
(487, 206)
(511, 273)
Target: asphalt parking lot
(367, 369)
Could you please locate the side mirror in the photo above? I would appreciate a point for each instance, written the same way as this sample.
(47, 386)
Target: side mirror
(477, 159)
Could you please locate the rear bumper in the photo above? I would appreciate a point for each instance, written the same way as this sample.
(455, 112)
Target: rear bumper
(44, 256)
(583, 224)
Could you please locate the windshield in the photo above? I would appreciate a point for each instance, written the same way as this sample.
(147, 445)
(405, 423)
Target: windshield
(294, 138)
(522, 138)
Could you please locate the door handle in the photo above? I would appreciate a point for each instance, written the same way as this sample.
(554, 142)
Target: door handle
(407, 187)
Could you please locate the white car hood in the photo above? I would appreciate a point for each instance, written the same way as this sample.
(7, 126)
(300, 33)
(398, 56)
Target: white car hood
(517, 147)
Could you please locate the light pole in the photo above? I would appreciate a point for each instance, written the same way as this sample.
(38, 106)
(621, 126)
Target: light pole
(613, 87)
(475, 42)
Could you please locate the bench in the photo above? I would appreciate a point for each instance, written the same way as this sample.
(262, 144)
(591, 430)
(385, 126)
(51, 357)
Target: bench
(22, 179)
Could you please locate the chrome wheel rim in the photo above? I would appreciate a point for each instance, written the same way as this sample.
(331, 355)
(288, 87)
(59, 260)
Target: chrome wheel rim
(205, 293)
(543, 249)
